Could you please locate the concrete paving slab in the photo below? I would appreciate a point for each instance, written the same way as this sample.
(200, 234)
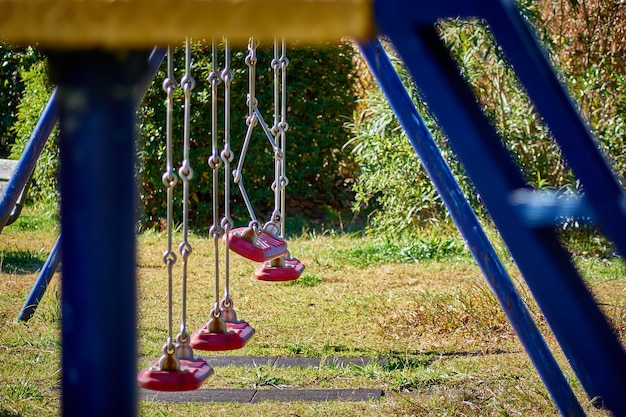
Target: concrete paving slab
(343, 362)
(292, 362)
(284, 361)
(317, 395)
(248, 361)
(200, 395)
(256, 396)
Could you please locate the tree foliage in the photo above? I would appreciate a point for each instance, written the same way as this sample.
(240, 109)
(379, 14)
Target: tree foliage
(37, 91)
(391, 185)
(585, 41)
(321, 97)
(13, 61)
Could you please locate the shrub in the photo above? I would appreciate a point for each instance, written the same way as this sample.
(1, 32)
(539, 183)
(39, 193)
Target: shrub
(504, 101)
(321, 98)
(391, 184)
(585, 40)
(37, 91)
(13, 61)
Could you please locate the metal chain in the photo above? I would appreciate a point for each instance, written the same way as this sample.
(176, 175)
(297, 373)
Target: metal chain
(276, 216)
(216, 323)
(283, 126)
(169, 361)
(185, 172)
(255, 117)
(251, 121)
(227, 223)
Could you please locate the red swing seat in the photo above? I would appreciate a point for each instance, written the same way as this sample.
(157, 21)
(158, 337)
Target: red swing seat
(265, 248)
(236, 336)
(191, 375)
(291, 271)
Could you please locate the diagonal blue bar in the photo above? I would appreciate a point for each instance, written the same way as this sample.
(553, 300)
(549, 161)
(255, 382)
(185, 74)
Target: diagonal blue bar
(469, 226)
(27, 162)
(588, 341)
(39, 289)
(603, 192)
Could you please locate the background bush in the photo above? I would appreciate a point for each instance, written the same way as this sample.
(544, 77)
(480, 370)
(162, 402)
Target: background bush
(37, 91)
(585, 41)
(583, 38)
(13, 61)
(321, 98)
(391, 185)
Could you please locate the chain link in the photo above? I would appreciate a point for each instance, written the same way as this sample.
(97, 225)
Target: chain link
(227, 156)
(283, 126)
(255, 118)
(275, 131)
(185, 172)
(169, 362)
(215, 163)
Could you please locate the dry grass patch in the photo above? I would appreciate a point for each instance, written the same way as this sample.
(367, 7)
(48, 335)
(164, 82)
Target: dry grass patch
(436, 337)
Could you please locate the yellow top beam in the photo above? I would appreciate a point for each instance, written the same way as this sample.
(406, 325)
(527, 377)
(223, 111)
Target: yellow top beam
(145, 23)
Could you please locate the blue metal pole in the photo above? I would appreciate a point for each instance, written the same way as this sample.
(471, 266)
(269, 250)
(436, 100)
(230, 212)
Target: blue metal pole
(51, 264)
(585, 336)
(154, 62)
(41, 133)
(98, 217)
(39, 289)
(26, 164)
(603, 193)
(469, 226)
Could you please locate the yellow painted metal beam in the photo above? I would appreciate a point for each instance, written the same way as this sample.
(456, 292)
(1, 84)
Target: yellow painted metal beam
(145, 23)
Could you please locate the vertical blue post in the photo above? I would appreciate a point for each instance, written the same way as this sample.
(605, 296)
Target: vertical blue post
(469, 226)
(98, 215)
(54, 258)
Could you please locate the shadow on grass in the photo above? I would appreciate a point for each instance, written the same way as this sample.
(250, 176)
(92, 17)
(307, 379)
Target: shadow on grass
(395, 360)
(392, 360)
(21, 262)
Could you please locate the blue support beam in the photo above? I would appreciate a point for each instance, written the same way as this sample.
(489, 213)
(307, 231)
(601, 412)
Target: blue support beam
(54, 258)
(98, 219)
(39, 289)
(603, 193)
(469, 226)
(26, 164)
(582, 331)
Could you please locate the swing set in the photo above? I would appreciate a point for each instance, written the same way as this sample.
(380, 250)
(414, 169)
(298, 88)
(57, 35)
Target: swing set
(178, 369)
(97, 51)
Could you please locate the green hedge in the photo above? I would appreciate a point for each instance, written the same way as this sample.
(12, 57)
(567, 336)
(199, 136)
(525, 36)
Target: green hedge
(321, 98)
(36, 94)
(13, 62)
(586, 47)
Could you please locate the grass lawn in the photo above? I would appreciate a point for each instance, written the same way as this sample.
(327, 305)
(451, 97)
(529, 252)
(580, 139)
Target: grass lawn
(424, 315)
